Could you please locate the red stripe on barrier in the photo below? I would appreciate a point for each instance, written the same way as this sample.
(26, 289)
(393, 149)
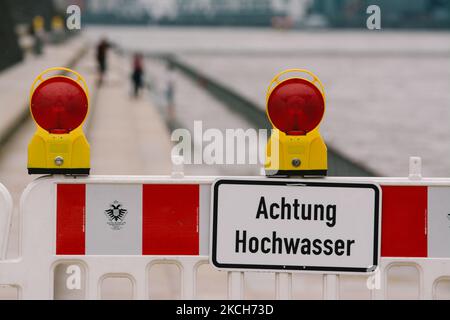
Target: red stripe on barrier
(70, 220)
(404, 221)
(170, 219)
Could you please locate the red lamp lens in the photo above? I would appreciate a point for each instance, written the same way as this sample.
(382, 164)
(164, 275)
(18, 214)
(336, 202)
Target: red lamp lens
(296, 106)
(59, 105)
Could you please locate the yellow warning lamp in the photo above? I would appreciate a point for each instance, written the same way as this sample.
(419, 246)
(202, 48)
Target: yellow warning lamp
(38, 23)
(59, 105)
(57, 23)
(295, 106)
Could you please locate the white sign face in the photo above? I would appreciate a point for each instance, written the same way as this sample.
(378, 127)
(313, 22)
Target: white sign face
(295, 225)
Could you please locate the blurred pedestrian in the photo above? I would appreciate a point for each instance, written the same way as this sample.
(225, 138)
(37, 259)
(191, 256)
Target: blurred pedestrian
(38, 42)
(102, 49)
(137, 74)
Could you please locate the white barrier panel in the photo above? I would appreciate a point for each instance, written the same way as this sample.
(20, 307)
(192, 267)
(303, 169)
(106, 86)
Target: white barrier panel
(103, 227)
(5, 219)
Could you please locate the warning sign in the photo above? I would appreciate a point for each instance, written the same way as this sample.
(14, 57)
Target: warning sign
(295, 225)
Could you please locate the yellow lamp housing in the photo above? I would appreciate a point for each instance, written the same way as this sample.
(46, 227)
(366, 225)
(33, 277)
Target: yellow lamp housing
(295, 105)
(38, 23)
(59, 104)
(57, 23)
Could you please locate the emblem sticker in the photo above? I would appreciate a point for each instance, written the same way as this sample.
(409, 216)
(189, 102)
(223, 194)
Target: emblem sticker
(116, 214)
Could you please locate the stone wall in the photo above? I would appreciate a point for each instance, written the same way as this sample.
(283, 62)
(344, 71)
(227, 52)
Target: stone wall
(10, 52)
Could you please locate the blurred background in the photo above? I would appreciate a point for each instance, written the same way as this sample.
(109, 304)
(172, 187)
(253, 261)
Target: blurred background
(157, 65)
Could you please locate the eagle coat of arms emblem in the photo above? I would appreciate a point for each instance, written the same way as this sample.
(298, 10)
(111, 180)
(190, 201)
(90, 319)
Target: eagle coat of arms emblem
(116, 215)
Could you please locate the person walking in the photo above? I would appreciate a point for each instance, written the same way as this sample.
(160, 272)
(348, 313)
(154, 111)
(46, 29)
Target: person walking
(102, 49)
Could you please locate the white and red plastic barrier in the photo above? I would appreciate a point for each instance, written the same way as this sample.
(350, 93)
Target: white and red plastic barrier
(158, 219)
(66, 219)
(164, 219)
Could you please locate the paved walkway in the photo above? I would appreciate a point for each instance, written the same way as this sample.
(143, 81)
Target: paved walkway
(127, 135)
